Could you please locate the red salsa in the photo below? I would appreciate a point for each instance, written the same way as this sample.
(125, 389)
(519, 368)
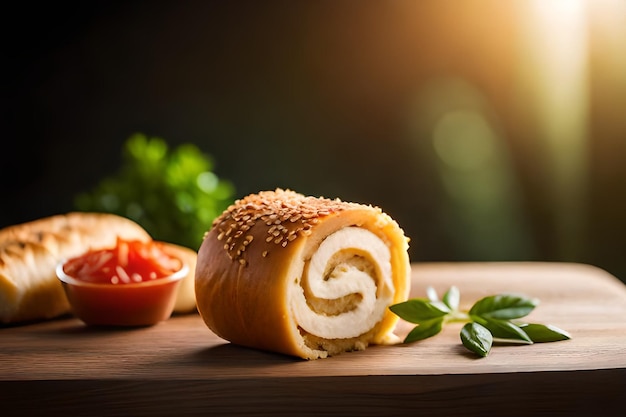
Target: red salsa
(130, 261)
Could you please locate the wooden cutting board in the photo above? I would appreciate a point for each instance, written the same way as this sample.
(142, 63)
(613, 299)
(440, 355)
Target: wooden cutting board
(179, 367)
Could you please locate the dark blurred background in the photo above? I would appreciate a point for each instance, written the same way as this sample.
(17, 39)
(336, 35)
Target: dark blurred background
(489, 130)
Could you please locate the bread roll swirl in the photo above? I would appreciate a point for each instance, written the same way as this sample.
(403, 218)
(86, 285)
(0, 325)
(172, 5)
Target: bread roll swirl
(304, 276)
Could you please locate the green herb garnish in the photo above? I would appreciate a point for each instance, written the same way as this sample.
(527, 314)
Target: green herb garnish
(173, 193)
(491, 319)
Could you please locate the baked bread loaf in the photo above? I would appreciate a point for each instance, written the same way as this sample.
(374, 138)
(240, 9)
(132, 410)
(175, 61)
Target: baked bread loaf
(304, 276)
(29, 253)
(186, 296)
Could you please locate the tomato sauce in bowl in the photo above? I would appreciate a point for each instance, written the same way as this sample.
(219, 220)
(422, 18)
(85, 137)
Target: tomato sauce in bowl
(132, 284)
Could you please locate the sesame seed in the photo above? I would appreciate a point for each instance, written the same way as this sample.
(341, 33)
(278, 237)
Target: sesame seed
(273, 210)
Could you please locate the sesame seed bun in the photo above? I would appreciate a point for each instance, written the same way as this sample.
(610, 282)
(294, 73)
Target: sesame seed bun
(304, 276)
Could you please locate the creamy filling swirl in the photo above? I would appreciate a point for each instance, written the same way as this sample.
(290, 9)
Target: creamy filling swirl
(345, 287)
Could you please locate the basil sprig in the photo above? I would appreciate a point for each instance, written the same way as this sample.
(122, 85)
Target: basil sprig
(491, 319)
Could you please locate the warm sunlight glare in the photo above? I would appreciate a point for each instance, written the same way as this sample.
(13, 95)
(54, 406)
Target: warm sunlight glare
(555, 69)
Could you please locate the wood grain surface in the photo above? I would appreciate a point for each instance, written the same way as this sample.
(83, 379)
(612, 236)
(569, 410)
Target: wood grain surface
(179, 367)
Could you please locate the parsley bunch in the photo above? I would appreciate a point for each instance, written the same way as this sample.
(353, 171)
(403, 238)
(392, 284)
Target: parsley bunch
(173, 193)
(492, 318)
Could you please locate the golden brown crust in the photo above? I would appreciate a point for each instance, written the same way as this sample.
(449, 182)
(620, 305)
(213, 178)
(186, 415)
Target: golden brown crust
(29, 252)
(253, 263)
(186, 297)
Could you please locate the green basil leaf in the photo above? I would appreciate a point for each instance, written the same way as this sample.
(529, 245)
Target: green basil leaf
(476, 338)
(541, 333)
(504, 306)
(452, 297)
(503, 329)
(418, 310)
(424, 330)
